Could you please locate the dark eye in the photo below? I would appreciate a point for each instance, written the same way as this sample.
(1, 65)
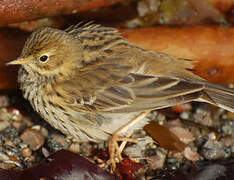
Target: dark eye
(43, 58)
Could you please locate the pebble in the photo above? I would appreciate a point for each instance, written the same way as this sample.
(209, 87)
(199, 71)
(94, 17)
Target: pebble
(160, 118)
(174, 123)
(207, 120)
(8, 162)
(4, 114)
(45, 152)
(147, 6)
(75, 147)
(14, 114)
(213, 149)
(191, 155)
(185, 115)
(227, 141)
(61, 139)
(4, 124)
(184, 135)
(26, 152)
(4, 101)
(175, 154)
(41, 129)
(31, 159)
(53, 144)
(232, 148)
(85, 148)
(11, 133)
(228, 128)
(18, 125)
(212, 135)
(33, 138)
(9, 143)
(230, 115)
(157, 161)
(3, 156)
(133, 151)
(28, 121)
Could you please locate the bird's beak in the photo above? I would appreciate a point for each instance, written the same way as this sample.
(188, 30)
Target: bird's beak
(18, 61)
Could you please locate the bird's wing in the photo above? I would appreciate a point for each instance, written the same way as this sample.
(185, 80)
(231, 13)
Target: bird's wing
(146, 93)
(121, 87)
(155, 92)
(117, 88)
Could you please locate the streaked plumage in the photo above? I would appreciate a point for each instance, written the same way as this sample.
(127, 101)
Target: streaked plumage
(95, 81)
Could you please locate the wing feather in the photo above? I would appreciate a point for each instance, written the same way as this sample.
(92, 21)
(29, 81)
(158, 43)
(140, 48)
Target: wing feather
(147, 92)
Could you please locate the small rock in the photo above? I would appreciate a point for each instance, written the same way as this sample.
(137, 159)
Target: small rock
(232, 148)
(207, 120)
(4, 101)
(184, 135)
(133, 151)
(33, 138)
(142, 8)
(75, 147)
(156, 162)
(176, 154)
(4, 124)
(3, 156)
(7, 165)
(227, 141)
(230, 115)
(31, 159)
(11, 133)
(191, 155)
(4, 114)
(85, 148)
(61, 139)
(161, 117)
(45, 152)
(8, 162)
(184, 115)
(228, 128)
(27, 121)
(174, 163)
(174, 123)
(41, 129)
(15, 114)
(53, 144)
(148, 6)
(18, 125)
(211, 172)
(9, 143)
(213, 149)
(212, 135)
(26, 152)
(23, 145)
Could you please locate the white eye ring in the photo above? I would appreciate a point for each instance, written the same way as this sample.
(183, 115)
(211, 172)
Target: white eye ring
(44, 58)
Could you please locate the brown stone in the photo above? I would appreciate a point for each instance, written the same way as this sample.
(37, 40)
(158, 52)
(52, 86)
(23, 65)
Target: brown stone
(33, 138)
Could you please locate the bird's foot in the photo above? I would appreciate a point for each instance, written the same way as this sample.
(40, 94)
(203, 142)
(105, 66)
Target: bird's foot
(115, 150)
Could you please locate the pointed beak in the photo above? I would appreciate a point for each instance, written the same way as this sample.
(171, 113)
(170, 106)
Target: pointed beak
(18, 61)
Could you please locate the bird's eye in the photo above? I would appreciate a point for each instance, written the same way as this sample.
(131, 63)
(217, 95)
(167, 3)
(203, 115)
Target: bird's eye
(43, 58)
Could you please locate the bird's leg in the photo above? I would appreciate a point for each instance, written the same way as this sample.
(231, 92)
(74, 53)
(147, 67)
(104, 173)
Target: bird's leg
(114, 149)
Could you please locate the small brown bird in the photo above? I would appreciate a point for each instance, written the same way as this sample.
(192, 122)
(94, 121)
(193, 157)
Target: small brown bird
(92, 84)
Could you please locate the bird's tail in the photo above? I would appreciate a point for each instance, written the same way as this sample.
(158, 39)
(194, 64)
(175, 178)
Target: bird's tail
(219, 95)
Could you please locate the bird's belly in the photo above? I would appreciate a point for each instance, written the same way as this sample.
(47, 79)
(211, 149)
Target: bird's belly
(118, 120)
(80, 125)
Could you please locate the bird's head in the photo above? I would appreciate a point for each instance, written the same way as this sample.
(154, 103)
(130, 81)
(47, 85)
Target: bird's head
(49, 51)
